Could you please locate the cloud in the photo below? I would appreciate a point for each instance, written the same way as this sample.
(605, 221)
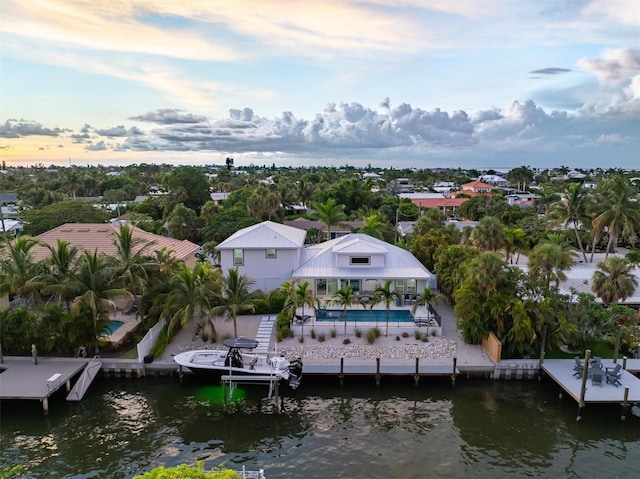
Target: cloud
(168, 116)
(119, 131)
(100, 146)
(550, 71)
(21, 128)
(614, 66)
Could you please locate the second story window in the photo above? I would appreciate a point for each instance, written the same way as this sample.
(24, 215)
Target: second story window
(238, 257)
(271, 253)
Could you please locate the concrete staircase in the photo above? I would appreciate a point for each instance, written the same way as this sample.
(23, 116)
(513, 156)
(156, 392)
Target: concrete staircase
(264, 333)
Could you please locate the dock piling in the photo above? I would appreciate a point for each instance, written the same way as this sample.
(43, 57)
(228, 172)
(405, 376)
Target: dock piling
(377, 371)
(341, 375)
(453, 373)
(416, 376)
(625, 403)
(583, 387)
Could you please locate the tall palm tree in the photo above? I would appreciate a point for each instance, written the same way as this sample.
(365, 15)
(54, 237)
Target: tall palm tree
(384, 294)
(374, 226)
(17, 268)
(304, 190)
(192, 296)
(345, 297)
(94, 285)
(515, 240)
(571, 211)
(618, 211)
(133, 264)
(236, 298)
(330, 213)
(301, 296)
(60, 267)
(488, 235)
(613, 280)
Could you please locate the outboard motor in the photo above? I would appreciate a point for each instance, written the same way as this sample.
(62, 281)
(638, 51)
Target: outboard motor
(295, 372)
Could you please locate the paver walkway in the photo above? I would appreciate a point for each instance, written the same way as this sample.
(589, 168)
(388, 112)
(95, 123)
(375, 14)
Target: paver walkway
(264, 333)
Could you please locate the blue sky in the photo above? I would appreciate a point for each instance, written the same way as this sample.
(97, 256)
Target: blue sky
(403, 83)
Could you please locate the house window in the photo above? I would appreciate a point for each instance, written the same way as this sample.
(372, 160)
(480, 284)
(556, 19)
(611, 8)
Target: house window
(411, 286)
(271, 253)
(326, 287)
(238, 257)
(360, 260)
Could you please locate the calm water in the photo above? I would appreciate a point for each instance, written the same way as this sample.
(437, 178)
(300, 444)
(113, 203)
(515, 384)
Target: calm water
(367, 315)
(477, 429)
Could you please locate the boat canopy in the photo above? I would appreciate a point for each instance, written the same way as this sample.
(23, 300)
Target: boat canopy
(241, 343)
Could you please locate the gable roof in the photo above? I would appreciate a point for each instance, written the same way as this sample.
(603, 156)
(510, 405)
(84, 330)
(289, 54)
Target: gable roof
(265, 235)
(100, 236)
(318, 260)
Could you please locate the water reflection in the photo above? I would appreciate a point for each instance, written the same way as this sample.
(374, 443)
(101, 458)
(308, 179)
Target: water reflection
(477, 429)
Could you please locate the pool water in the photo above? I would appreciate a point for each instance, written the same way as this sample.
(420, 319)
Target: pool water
(365, 315)
(112, 326)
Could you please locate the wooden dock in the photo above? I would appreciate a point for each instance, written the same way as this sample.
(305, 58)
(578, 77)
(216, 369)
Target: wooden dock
(562, 372)
(22, 379)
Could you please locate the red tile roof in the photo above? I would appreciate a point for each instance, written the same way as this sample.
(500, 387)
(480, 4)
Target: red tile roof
(93, 236)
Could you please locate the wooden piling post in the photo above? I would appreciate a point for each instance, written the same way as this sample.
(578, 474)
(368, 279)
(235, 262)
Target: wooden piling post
(277, 395)
(341, 376)
(625, 403)
(45, 405)
(453, 373)
(224, 394)
(377, 371)
(583, 386)
(416, 377)
(624, 362)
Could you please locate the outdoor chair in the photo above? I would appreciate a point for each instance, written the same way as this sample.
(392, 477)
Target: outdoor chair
(302, 319)
(596, 376)
(578, 367)
(613, 375)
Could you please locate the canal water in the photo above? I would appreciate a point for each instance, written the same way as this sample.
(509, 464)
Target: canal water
(477, 429)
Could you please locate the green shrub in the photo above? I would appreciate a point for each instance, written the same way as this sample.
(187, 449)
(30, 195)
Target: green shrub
(187, 472)
(313, 334)
(372, 336)
(301, 339)
(358, 332)
(161, 344)
(346, 341)
(283, 326)
(321, 337)
(405, 334)
(334, 333)
(417, 334)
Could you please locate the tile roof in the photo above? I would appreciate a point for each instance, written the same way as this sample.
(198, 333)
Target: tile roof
(100, 237)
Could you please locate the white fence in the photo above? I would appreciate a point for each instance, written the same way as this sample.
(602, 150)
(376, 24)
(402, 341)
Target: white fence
(147, 343)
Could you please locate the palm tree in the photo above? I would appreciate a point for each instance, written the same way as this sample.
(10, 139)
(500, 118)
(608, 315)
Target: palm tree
(60, 267)
(94, 285)
(613, 281)
(345, 297)
(330, 213)
(549, 260)
(515, 240)
(384, 294)
(236, 298)
(133, 265)
(192, 296)
(374, 226)
(304, 190)
(488, 235)
(618, 211)
(301, 296)
(427, 298)
(17, 268)
(572, 211)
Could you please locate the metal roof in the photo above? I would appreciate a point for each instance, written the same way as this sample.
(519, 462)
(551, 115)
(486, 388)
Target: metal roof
(265, 235)
(318, 261)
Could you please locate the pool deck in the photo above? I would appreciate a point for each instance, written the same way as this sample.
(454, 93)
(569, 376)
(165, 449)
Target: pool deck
(130, 321)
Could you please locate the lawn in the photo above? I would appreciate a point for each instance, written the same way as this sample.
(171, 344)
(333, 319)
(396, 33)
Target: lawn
(601, 349)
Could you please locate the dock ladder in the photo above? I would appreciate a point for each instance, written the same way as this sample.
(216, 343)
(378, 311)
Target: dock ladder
(84, 381)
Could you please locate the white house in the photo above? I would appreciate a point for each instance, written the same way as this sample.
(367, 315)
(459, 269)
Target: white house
(268, 253)
(271, 253)
(364, 263)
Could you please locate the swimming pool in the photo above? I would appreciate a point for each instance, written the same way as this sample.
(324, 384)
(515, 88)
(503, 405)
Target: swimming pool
(365, 315)
(111, 327)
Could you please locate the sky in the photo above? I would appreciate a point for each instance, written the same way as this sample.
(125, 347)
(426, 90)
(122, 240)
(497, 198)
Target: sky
(387, 83)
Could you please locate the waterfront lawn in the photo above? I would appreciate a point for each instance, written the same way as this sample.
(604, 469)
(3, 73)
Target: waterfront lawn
(600, 349)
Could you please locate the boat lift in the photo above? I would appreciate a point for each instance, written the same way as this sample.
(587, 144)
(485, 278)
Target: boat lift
(271, 380)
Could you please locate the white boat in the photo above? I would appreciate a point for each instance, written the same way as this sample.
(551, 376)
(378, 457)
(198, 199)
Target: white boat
(239, 360)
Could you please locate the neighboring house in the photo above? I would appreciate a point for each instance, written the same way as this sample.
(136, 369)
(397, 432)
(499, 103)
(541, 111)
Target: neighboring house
(474, 188)
(494, 180)
(218, 196)
(444, 187)
(405, 228)
(400, 185)
(521, 199)
(267, 253)
(370, 175)
(364, 263)
(100, 237)
(270, 254)
(446, 205)
(12, 227)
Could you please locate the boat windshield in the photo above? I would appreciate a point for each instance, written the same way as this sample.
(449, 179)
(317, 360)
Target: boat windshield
(240, 343)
